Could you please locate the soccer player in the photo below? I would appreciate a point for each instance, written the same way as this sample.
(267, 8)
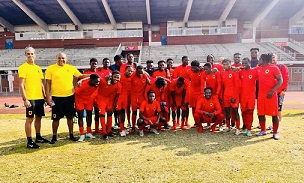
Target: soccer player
(130, 61)
(124, 101)
(108, 93)
(59, 82)
(149, 114)
(230, 85)
(208, 110)
(92, 70)
(170, 66)
(211, 59)
(178, 90)
(150, 67)
(195, 92)
(162, 71)
(84, 100)
(237, 60)
(283, 88)
(32, 93)
(270, 79)
(117, 63)
(105, 68)
(248, 77)
(254, 53)
(139, 81)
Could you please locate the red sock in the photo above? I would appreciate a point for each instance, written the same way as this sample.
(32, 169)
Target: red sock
(96, 125)
(89, 130)
(81, 130)
(275, 127)
(178, 121)
(122, 127)
(103, 125)
(109, 124)
(227, 123)
(249, 120)
(237, 123)
(133, 120)
(263, 126)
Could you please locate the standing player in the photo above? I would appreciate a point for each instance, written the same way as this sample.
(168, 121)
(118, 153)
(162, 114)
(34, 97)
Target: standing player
(281, 91)
(84, 100)
(117, 63)
(32, 93)
(170, 66)
(149, 114)
(93, 70)
(270, 79)
(108, 93)
(230, 85)
(130, 61)
(219, 66)
(162, 71)
(139, 81)
(150, 67)
(248, 77)
(254, 52)
(124, 101)
(237, 60)
(208, 110)
(178, 90)
(59, 82)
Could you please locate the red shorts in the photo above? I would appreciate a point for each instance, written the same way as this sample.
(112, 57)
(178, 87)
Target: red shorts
(207, 119)
(247, 103)
(267, 106)
(193, 98)
(227, 102)
(81, 104)
(104, 105)
(124, 101)
(136, 101)
(153, 119)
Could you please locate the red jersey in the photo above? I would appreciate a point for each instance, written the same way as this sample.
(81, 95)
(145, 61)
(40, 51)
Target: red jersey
(248, 79)
(178, 91)
(285, 76)
(219, 67)
(89, 71)
(160, 93)
(212, 80)
(108, 92)
(123, 67)
(138, 84)
(171, 72)
(267, 78)
(102, 71)
(230, 83)
(236, 65)
(195, 81)
(149, 110)
(212, 105)
(85, 92)
(159, 73)
(181, 71)
(126, 84)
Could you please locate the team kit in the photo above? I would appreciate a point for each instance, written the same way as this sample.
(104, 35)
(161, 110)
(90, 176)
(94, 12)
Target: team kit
(136, 99)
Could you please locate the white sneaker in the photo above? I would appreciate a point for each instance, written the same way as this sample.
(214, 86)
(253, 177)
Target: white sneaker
(81, 138)
(237, 132)
(90, 136)
(122, 133)
(220, 129)
(154, 131)
(141, 133)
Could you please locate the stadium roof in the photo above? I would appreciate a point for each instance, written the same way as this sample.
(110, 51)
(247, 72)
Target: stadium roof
(45, 12)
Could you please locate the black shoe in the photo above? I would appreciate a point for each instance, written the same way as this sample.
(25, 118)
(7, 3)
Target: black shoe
(105, 137)
(72, 138)
(53, 141)
(244, 127)
(166, 126)
(42, 140)
(32, 145)
(111, 134)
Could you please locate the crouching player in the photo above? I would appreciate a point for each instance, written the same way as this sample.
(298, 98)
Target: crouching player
(149, 114)
(84, 99)
(208, 110)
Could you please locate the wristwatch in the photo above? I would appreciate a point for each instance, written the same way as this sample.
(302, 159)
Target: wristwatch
(24, 99)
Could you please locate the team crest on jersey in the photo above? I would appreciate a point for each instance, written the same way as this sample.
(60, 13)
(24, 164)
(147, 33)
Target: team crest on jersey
(54, 115)
(211, 104)
(199, 74)
(154, 109)
(213, 76)
(143, 80)
(30, 112)
(250, 76)
(230, 75)
(267, 71)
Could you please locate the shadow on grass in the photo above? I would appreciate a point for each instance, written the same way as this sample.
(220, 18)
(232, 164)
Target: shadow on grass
(190, 140)
(294, 114)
